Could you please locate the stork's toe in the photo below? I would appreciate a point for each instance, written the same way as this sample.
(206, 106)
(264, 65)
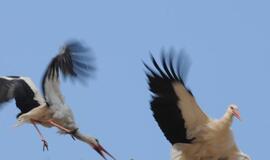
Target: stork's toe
(45, 145)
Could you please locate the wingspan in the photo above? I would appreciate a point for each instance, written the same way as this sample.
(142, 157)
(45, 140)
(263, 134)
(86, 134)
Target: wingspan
(23, 90)
(72, 61)
(173, 105)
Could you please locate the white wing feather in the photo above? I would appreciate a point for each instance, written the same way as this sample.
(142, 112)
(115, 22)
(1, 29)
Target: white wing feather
(194, 117)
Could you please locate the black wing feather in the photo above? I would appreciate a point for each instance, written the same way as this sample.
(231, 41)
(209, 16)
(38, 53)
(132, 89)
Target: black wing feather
(7, 90)
(171, 66)
(164, 65)
(72, 61)
(157, 66)
(19, 90)
(164, 100)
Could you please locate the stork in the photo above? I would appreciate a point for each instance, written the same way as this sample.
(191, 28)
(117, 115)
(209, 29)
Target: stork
(193, 135)
(51, 110)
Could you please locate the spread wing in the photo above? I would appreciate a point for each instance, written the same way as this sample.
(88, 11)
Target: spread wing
(174, 107)
(72, 61)
(23, 90)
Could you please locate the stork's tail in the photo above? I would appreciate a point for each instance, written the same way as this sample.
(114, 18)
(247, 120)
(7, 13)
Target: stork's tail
(24, 118)
(34, 114)
(94, 143)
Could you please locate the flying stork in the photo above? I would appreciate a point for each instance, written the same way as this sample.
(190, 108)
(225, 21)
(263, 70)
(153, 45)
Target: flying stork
(51, 110)
(193, 135)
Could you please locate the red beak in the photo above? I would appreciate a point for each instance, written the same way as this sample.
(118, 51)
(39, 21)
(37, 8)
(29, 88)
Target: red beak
(236, 113)
(102, 152)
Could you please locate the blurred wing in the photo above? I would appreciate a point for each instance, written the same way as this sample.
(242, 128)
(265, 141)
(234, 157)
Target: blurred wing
(173, 105)
(7, 89)
(23, 90)
(73, 62)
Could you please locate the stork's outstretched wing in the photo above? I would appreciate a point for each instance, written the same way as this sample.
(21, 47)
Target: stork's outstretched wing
(74, 62)
(173, 105)
(23, 90)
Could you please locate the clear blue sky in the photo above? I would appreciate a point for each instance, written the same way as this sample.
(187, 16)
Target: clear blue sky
(228, 43)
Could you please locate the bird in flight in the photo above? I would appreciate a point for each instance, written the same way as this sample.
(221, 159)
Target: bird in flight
(193, 135)
(50, 109)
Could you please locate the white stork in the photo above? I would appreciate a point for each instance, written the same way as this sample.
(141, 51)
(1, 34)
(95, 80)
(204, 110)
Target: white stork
(193, 135)
(51, 110)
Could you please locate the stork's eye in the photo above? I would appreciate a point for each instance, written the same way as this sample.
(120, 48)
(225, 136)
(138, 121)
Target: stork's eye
(231, 107)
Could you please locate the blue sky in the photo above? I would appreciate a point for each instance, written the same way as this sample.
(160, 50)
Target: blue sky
(228, 43)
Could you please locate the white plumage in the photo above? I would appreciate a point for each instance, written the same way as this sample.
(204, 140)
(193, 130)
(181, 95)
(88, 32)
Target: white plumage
(193, 135)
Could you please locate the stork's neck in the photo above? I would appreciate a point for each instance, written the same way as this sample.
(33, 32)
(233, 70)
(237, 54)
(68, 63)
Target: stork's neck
(227, 119)
(87, 139)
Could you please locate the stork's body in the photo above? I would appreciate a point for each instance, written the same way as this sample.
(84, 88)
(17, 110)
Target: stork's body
(214, 142)
(51, 110)
(193, 135)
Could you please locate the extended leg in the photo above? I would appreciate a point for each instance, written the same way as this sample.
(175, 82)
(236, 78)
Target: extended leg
(45, 144)
(71, 132)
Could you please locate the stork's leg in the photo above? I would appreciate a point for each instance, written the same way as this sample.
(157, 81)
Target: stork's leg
(71, 132)
(45, 143)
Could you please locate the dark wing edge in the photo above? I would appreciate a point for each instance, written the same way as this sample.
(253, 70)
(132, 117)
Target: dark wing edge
(13, 87)
(7, 90)
(73, 61)
(164, 99)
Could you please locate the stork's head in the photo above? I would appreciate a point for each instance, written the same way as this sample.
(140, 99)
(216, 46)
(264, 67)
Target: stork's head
(94, 143)
(233, 109)
(98, 147)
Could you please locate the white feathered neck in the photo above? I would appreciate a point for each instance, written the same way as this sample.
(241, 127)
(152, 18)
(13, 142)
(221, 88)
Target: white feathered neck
(227, 119)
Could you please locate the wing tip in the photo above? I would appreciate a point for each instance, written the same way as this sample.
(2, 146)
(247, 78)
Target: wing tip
(70, 63)
(75, 46)
(170, 70)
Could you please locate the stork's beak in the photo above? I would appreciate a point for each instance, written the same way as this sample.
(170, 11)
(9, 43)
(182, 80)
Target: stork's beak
(102, 152)
(236, 113)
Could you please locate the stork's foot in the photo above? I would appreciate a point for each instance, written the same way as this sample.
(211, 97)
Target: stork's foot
(73, 137)
(45, 145)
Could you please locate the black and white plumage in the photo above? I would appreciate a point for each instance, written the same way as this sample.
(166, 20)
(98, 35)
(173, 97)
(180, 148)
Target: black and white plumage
(191, 132)
(23, 90)
(51, 110)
